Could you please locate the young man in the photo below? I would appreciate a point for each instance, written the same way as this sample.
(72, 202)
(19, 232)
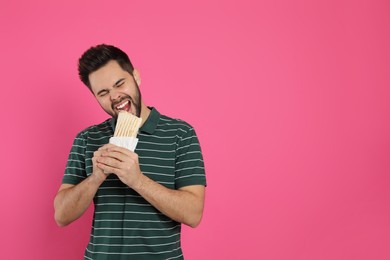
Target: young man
(142, 197)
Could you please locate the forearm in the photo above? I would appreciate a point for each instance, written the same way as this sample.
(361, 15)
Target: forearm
(71, 202)
(184, 205)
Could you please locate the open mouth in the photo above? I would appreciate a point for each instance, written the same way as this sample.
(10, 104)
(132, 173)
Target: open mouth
(123, 105)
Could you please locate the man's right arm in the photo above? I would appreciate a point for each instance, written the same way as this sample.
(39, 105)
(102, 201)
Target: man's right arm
(72, 201)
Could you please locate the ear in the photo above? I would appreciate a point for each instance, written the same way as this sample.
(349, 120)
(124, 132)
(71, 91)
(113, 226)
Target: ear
(137, 77)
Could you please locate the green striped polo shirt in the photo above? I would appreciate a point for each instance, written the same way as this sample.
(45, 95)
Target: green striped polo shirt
(126, 226)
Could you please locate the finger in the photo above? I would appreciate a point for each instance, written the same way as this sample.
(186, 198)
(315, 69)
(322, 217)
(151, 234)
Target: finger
(110, 161)
(117, 155)
(119, 149)
(97, 154)
(114, 148)
(107, 169)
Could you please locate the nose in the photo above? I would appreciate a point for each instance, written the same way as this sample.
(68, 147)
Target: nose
(114, 95)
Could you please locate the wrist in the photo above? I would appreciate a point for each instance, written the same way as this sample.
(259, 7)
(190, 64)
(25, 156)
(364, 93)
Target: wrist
(98, 178)
(139, 184)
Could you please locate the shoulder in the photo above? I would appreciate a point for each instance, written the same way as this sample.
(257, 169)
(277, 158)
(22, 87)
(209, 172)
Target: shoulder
(174, 123)
(98, 129)
(183, 131)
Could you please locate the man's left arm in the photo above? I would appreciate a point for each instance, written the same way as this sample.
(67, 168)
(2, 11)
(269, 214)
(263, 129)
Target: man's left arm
(184, 205)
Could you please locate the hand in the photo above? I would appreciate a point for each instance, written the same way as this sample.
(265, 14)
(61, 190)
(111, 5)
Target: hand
(97, 172)
(121, 162)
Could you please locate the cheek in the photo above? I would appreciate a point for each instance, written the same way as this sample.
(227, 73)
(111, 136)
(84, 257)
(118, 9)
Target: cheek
(104, 103)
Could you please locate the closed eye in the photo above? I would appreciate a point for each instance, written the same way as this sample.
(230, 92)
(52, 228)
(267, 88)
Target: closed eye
(119, 83)
(102, 93)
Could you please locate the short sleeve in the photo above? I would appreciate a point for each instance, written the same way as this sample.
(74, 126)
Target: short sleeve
(75, 168)
(189, 168)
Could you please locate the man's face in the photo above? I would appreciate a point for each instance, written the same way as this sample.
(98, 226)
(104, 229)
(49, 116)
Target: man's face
(115, 89)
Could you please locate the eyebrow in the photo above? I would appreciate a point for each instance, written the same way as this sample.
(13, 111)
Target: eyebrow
(115, 84)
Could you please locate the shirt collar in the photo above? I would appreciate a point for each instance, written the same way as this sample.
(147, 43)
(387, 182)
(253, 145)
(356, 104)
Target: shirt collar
(150, 124)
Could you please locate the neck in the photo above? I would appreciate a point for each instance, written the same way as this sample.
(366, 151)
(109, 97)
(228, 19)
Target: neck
(145, 112)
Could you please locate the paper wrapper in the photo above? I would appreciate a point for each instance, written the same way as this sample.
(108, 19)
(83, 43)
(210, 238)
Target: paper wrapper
(125, 142)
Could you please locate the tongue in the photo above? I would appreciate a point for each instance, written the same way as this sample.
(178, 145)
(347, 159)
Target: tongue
(126, 107)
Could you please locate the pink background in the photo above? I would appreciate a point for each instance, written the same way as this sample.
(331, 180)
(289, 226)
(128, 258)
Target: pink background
(290, 99)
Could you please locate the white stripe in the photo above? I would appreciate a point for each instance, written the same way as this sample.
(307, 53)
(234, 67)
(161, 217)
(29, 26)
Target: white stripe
(134, 220)
(158, 166)
(100, 132)
(74, 175)
(77, 153)
(143, 142)
(137, 253)
(151, 150)
(123, 228)
(156, 158)
(190, 168)
(159, 174)
(128, 212)
(184, 154)
(96, 139)
(119, 196)
(189, 176)
(160, 137)
(143, 237)
(192, 160)
(81, 146)
(73, 167)
(74, 160)
(187, 146)
(98, 145)
(123, 204)
(167, 130)
(127, 245)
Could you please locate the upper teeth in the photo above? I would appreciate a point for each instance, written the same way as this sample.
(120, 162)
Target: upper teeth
(122, 105)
